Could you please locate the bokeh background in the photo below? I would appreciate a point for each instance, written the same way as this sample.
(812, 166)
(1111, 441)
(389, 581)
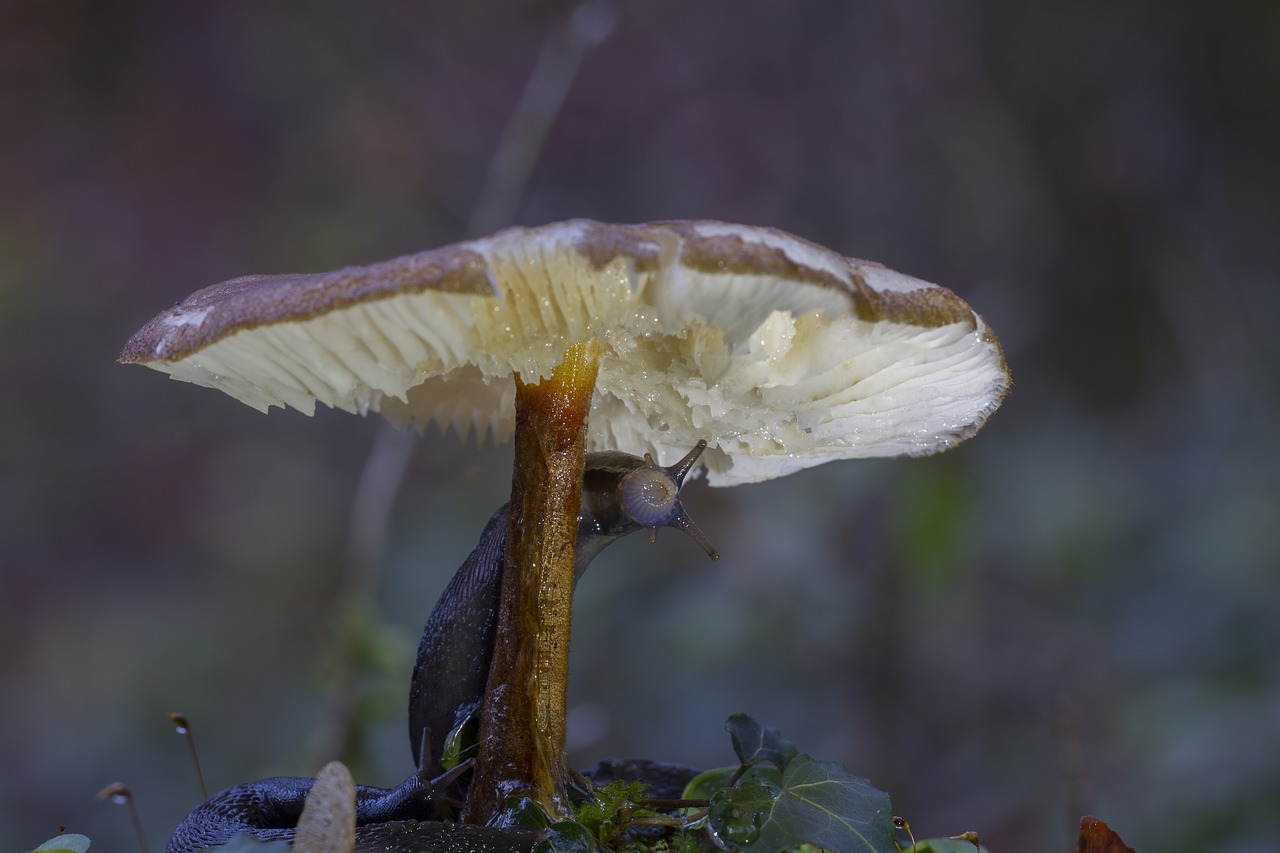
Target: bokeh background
(1076, 612)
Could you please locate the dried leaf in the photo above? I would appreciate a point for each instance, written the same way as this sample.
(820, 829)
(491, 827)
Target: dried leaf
(328, 821)
(1097, 837)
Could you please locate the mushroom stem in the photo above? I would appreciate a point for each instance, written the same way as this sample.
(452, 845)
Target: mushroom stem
(522, 717)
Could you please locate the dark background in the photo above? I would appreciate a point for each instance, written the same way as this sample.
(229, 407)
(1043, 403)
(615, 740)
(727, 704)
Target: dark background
(1073, 613)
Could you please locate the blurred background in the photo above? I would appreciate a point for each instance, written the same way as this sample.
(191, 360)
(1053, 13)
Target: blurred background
(1073, 613)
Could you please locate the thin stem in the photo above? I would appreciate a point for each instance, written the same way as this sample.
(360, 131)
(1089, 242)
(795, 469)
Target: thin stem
(666, 821)
(668, 805)
(120, 794)
(589, 24)
(183, 727)
(522, 719)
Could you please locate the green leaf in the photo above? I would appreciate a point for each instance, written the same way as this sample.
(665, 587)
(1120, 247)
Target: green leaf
(68, 842)
(603, 814)
(823, 804)
(460, 743)
(705, 785)
(566, 836)
(754, 743)
(738, 813)
(947, 845)
(520, 813)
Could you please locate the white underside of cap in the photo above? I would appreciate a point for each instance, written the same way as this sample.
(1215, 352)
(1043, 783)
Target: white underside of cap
(776, 375)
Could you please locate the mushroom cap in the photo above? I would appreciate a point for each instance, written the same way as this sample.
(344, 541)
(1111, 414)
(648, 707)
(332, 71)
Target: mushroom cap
(781, 354)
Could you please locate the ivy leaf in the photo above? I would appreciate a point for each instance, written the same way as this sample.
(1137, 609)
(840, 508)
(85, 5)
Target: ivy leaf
(823, 804)
(754, 743)
(566, 836)
(521, 813)
(705, 785)
(738, 813)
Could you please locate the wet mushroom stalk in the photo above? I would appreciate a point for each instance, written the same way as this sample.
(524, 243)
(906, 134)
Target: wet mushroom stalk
(583, 336)
(522, 717)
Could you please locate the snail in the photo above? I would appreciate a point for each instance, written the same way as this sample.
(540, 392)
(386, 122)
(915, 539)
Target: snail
(621, 494)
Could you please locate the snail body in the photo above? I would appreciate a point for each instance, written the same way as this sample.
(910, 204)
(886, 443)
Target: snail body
(621, 494)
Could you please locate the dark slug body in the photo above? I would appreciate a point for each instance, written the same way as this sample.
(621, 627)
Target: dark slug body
(457, 644)
(448, 683)
(398, 818)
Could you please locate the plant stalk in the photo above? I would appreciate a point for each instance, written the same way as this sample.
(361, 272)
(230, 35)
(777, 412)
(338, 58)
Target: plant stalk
(522, 716)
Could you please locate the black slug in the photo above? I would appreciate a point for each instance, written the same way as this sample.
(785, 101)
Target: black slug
(621, 494)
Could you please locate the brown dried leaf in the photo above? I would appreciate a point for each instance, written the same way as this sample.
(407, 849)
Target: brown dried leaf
(328, 821)
(1097, 837)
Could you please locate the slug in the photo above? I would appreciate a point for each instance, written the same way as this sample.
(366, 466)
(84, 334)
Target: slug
(621, 494)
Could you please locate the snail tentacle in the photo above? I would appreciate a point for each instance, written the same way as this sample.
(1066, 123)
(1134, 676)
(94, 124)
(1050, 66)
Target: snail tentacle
(650, 497)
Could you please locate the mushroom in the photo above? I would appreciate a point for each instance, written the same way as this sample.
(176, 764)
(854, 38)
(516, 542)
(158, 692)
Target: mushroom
(579, 336)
